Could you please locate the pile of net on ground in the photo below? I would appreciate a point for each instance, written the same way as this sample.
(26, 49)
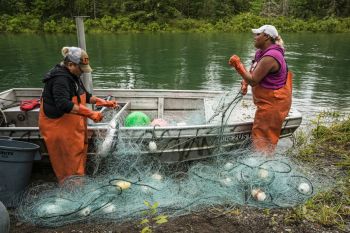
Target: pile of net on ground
(120, 193)
(124, 178)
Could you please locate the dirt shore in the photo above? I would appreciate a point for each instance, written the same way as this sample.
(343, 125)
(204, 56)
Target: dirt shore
(215, 220)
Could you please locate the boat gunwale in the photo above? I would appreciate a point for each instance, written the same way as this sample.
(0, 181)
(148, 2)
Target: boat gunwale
(174, 127)
(294, 113)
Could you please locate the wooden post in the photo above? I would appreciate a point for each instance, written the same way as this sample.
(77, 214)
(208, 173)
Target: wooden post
(86, 77)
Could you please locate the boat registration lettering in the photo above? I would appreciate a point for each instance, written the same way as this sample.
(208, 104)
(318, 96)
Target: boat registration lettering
(5, 154)
(236, 137)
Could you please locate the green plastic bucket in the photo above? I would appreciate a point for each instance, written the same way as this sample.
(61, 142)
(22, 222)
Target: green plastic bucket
(16, 161)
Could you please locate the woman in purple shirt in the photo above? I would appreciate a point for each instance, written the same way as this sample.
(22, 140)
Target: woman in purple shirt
(271, 86)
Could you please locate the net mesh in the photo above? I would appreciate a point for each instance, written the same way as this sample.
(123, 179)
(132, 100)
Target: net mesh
(123, 177)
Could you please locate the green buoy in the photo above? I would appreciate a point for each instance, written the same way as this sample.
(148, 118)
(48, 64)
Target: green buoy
(137, 119)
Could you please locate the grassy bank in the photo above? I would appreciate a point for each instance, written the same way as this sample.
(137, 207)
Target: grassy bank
(327, 150)
(27, 23)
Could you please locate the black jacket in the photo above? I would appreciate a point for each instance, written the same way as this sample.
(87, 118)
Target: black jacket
(60, 87)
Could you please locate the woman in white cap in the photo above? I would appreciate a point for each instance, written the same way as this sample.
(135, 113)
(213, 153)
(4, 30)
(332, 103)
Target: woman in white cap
(271, 87)
(63, 113)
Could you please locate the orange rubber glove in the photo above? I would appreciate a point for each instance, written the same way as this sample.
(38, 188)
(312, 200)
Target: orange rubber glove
(244, 87)
(235, 62)
(106, 103)
(93, 115)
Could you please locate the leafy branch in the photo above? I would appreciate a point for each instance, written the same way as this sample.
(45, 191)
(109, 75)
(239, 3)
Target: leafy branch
(151, 218)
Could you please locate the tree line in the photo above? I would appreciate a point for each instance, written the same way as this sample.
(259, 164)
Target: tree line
(155, 10)
(57, 16)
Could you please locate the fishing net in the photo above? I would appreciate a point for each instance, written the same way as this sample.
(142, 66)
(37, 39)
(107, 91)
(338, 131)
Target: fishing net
(123, 176)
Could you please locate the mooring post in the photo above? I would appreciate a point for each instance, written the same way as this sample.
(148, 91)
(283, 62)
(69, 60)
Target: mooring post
(86, 77)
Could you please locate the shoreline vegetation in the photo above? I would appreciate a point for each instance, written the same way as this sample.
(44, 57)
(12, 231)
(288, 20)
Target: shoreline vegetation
(328, 149)
(118, 16)
(243, 22)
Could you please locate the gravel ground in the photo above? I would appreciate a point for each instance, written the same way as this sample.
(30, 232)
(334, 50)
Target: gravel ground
(216, 220)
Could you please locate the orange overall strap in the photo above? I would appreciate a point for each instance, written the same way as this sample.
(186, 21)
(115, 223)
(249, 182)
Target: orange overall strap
(66, 142)
(272, 108)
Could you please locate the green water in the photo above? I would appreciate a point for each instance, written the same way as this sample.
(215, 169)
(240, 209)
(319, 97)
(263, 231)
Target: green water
(186, 61)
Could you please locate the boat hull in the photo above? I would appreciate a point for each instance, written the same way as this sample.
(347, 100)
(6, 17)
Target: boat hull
(172, 143)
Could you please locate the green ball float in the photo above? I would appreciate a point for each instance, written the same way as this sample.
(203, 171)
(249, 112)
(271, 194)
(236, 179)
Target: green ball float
(137, 119)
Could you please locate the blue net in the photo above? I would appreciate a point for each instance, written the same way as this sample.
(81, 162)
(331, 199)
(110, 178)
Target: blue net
(123, 177)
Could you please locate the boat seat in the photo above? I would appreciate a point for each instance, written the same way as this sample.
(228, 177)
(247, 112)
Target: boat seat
(16, 117)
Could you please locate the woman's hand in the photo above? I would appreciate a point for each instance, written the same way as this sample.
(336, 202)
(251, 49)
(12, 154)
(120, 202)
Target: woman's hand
(244, 87)
(104, 103)
(236, 63)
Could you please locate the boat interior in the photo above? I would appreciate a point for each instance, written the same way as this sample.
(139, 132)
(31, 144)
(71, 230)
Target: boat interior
(177, 108)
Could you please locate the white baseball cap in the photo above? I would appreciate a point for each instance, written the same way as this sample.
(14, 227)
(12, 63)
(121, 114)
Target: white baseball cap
(267, 29)
(77, 56)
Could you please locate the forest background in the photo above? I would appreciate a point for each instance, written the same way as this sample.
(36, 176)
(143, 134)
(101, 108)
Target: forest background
(106, 16)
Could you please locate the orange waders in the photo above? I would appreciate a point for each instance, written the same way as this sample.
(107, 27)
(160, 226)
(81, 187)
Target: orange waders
(272, 108)
(66, 141)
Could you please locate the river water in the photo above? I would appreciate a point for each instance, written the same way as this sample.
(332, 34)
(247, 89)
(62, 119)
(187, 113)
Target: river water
(189, 61)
